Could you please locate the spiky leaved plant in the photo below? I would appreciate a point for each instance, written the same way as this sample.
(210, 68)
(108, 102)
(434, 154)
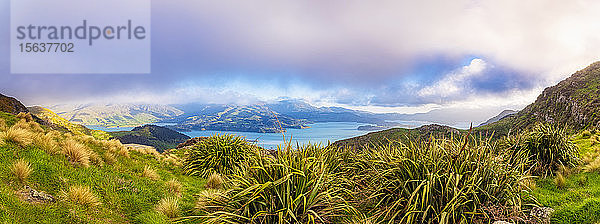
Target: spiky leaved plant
(293, 186)
(220, 154)
(438, 181)
(549, 148)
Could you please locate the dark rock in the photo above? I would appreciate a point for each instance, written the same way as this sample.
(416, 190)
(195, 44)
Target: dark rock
(11, 105)
(33, 196)
(542, 214)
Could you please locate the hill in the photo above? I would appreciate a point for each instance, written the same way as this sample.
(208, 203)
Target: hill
(400, 134)
(573, 102)
(11, 105)
(56, 176)
(248, 118)
(498, 117)
(159, 137)
(58, 122)
(113, 115)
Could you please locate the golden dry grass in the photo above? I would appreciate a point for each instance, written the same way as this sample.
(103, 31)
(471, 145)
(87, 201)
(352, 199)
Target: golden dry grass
(174, 187)
(21, 170)
(115, 146)
(29, 125)
(2, 125)
(24, 116)
(76, 152)
(169, 207)
(110, 158)
(95, 158)
(81, 195)
(150, 173)
(46, 142)
(560, 181)
(207, 197)
(19, 136)
(172, 160)
(214, 181)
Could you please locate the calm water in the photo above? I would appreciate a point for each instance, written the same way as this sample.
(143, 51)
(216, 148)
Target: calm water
(318, 133)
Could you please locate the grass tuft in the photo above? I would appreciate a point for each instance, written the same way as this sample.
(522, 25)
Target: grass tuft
(215, 181)
(218, 153)
(19, 136)
(76, 152)
(174, 187)
(169, 207)
(150, 173)
(81, 195)
(21, 170)
(560, 181)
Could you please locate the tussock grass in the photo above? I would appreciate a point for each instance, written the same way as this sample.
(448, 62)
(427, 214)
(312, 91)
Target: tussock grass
(46, 142)
(297, 182)
(24, 116)
(76, 152)
(172, 160)
(168, 206)
(560, 181)
(95, 158)
(19, 136)
(81, 195)
(150, 173)
(28, 125)
(3, 125)
(110, 158)
(174, 187)
(209, 197)
(21, 170)
(550, 148)
(219, 153)
(215, 181)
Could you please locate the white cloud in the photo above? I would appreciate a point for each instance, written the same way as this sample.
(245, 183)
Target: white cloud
(455, 82)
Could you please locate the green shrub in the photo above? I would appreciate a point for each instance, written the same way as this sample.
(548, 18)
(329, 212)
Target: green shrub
(549, 148)
(439, 181)
(219, 153)
(294, 186)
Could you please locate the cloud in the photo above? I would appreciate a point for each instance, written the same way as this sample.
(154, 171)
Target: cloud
(388, 54)
(454, 83)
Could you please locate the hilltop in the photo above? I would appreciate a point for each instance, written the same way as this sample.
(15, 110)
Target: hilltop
(160, 138)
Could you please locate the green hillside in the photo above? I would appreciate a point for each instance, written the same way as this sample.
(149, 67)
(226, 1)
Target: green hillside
(53, 119)
(573, 102)
(88, 180)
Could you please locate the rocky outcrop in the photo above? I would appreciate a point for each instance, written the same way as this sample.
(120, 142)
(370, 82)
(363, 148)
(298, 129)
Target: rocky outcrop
(11, 105)
(31, 195)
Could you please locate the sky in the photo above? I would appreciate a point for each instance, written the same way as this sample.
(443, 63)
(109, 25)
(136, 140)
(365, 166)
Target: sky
(379, 56)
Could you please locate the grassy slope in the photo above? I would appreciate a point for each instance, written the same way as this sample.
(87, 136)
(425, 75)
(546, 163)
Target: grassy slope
(124, 194)
(78, 129)
(579, 201)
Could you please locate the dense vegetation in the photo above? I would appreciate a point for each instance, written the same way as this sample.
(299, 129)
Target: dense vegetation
(463, 179)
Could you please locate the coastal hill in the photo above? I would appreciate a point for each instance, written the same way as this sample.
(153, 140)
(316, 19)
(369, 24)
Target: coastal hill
(159, 137)
(573, 102)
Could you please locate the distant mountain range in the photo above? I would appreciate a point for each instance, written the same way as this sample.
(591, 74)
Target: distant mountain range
(261, 117)
(498, 117)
